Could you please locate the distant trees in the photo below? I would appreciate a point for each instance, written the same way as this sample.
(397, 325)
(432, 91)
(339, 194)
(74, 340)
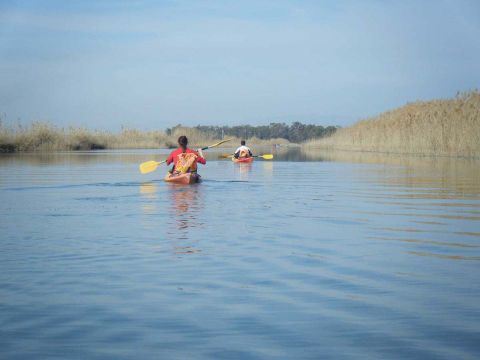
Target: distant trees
(296, 132)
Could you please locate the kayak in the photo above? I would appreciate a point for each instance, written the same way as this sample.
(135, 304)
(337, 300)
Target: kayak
(242, 160)
(185, 179)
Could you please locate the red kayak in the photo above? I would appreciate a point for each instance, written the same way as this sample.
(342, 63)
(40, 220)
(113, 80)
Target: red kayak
(185, 179)
(242, 160)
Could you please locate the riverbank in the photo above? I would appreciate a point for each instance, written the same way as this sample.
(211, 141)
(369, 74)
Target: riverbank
(42, 136)
(448, 127)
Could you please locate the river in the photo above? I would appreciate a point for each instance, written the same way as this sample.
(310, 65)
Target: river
(309, 256)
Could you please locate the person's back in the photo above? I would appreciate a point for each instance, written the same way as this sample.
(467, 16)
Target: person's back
(243, 151)
(185, 159)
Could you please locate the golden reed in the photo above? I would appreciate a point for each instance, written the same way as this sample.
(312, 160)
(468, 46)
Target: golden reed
(42, 136)
(439, 127)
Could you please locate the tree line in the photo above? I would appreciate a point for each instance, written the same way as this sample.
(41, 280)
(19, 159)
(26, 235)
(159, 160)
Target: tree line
(296, 132)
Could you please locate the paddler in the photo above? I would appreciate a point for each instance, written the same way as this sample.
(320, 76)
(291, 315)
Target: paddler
(184, 159)
(243, 151)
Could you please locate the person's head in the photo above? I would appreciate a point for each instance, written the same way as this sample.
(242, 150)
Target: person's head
(242, 142)
(183, 142)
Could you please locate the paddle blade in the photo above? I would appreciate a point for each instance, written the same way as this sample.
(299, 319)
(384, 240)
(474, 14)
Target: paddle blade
(267, 156)
(219, 143)
(149, 166)
(224, 156)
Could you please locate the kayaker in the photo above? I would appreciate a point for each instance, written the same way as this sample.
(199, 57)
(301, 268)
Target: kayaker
(243, 151)
(184, 159)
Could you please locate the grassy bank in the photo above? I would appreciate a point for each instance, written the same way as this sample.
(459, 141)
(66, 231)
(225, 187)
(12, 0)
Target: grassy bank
(439, 127)
(41, 136)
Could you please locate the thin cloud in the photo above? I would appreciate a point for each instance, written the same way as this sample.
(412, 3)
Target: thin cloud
(150, 64)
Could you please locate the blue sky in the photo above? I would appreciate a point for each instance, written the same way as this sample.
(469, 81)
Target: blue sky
(154, 64)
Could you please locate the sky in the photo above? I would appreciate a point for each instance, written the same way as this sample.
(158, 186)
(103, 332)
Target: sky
(155, 64)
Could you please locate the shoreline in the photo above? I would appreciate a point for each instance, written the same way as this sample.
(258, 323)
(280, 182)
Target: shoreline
(43, 136)
(317, 150)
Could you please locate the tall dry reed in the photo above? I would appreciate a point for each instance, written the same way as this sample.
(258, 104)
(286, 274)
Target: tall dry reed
(42, 136)
(440, 127)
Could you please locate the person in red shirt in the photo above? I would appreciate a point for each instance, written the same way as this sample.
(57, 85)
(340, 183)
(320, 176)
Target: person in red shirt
(185, 159)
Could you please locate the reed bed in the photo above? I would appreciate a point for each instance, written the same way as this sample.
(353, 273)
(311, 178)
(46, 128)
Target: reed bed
(42, 136)
(441, 127)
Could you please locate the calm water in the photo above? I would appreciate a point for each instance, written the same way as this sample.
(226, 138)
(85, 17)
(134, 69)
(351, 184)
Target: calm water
(343, 256)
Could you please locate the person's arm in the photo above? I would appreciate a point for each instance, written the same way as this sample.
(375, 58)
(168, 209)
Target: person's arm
(200, 157)
(237, 154)
(250, 152)
(170, 158)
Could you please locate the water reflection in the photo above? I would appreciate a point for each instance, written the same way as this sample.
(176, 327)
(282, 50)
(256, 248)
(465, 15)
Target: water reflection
(148, 190)
(428, 177)
(88, 157)
(441, 256)
(244, 170)
(185, 208)
(267, 167)
(182, 209)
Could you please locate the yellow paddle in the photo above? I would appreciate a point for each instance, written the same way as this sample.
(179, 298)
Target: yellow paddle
(265, 156)
(152, 165)
(219, 143)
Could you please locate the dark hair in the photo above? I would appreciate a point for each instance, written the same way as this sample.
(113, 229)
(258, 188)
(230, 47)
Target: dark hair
(242, 142)
(183, 142)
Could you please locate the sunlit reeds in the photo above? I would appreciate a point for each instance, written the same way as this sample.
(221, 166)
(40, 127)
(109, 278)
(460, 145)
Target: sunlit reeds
(439, 127)
(42, 136)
